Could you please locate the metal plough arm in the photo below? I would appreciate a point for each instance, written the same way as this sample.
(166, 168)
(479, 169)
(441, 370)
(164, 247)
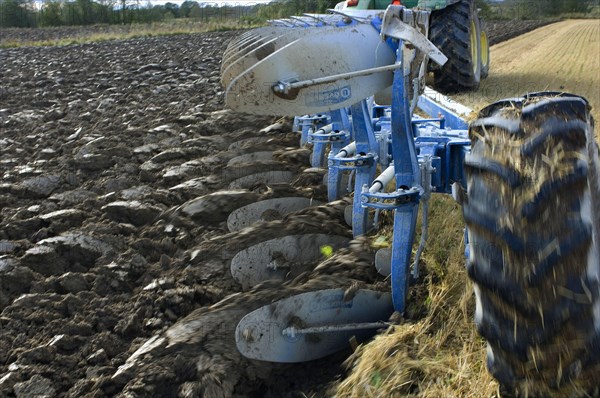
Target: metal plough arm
(406, 168)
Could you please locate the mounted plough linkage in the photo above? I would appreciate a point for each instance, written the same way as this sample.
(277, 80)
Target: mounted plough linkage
(328, 68)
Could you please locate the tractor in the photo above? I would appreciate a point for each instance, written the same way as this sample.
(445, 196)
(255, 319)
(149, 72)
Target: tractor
(455, 28)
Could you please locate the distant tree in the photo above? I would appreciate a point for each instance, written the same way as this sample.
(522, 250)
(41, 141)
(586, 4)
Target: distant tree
(171, 8)
(71, 14)
(51, 14)
(103, 11)
(484, 7)
(324, 5)
(16, 13)
(150, 13)
(195, 11)
(186, 8)
(125, 17)
(578, 5)
(532, 9)
(86, 11)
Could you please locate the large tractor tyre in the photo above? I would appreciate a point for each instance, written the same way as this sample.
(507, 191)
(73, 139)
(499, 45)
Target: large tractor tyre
(484, 45)
(455, 31)
(533, 216)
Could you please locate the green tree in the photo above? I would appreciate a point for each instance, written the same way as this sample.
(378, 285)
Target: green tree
(86, 11)
(534, 9)
(72, 14)
(16, 13)
(51, 14)
(171, 8)
(186, 8)
(195, 11)
(324, 5)
(103, 12)
(577, 5)
(484, 7)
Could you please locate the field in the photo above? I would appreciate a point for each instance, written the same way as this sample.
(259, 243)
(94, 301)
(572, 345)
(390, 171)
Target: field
(65, 35)
(560, 57)
(114, 252)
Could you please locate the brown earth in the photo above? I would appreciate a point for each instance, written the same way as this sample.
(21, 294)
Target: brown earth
(498, 31)
(114, 194)
(109, 155)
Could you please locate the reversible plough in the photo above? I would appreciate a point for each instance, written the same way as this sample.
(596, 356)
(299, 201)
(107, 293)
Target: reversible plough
(357, 78)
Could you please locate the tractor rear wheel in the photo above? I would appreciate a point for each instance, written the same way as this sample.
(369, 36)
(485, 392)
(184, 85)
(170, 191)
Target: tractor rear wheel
(533, 215)
(455, 31)
(484, 45)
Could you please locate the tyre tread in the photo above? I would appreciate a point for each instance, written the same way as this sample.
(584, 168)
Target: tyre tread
(449, 31)
(528, 173)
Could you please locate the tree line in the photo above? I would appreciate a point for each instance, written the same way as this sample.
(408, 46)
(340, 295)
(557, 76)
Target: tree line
(34, 13)
(537, 9)
(42, 13)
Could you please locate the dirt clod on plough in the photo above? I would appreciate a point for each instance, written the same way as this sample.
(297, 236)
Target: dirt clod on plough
(198, 353)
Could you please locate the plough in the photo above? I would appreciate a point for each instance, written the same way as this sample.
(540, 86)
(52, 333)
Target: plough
(333, 70)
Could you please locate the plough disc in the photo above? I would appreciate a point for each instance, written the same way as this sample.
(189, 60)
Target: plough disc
(266, 335)
(383, 261)
(276, 258)
(247, 215)
(261, 156)
(270, 40)
(320, 52)
(267, 177)
(248, 42)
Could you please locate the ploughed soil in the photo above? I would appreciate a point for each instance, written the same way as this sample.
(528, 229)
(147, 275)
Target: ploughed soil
(119, 170)
(502, 30)
(499, 30)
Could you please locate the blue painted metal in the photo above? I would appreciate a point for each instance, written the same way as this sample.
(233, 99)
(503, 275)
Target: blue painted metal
(383, 134)
(352, 163)
(363, 163)
(307, 123)
(411, 140)
(340, 120)
(391, 200)
(334, 178)
(447, 152)
(433, 109)
(336, 139)
(380, 111)
(390, 134)
(406, 169)
(441, 122)
(380, 126)
(366, 145)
